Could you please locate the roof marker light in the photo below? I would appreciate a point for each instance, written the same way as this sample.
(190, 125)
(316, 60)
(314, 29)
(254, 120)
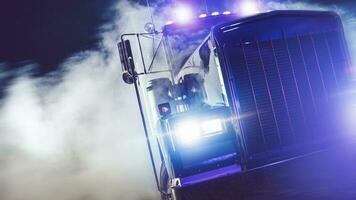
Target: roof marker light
(249, 7)
(169, 22)
(215, 13)
(203, 15)
(184, 14)
(226, 12)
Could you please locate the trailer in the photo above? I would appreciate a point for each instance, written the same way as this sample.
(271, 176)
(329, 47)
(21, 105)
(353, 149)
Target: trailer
(242, 107)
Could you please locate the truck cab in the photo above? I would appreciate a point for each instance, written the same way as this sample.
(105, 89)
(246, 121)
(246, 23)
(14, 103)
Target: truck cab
(232, 94)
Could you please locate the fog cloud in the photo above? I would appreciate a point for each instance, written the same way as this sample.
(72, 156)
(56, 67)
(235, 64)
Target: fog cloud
(76, 134)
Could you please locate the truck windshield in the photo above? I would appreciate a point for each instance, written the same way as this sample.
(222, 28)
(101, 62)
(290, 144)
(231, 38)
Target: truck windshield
(181, 45)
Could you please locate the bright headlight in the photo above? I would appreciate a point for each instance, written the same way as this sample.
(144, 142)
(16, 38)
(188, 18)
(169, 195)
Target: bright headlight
(213, 126)
(188, 131)
(191, 131)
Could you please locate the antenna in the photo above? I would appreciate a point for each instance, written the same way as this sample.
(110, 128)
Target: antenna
(150, 11)
(153, 23)
(206, 7)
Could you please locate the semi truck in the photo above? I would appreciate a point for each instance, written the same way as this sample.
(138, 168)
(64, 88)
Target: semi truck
(241, 107)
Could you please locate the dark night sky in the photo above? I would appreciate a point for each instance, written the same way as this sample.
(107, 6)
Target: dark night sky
(48, 31)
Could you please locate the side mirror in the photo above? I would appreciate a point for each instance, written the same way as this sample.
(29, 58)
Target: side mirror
(127, 61)
(128, 78)
(150, 27)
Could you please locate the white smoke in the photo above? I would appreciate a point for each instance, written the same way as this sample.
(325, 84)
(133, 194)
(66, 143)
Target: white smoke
(76, 134)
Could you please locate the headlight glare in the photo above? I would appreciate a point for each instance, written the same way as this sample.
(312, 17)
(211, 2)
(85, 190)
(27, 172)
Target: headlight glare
(191, 131)
(188, 132)
(213, 126)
